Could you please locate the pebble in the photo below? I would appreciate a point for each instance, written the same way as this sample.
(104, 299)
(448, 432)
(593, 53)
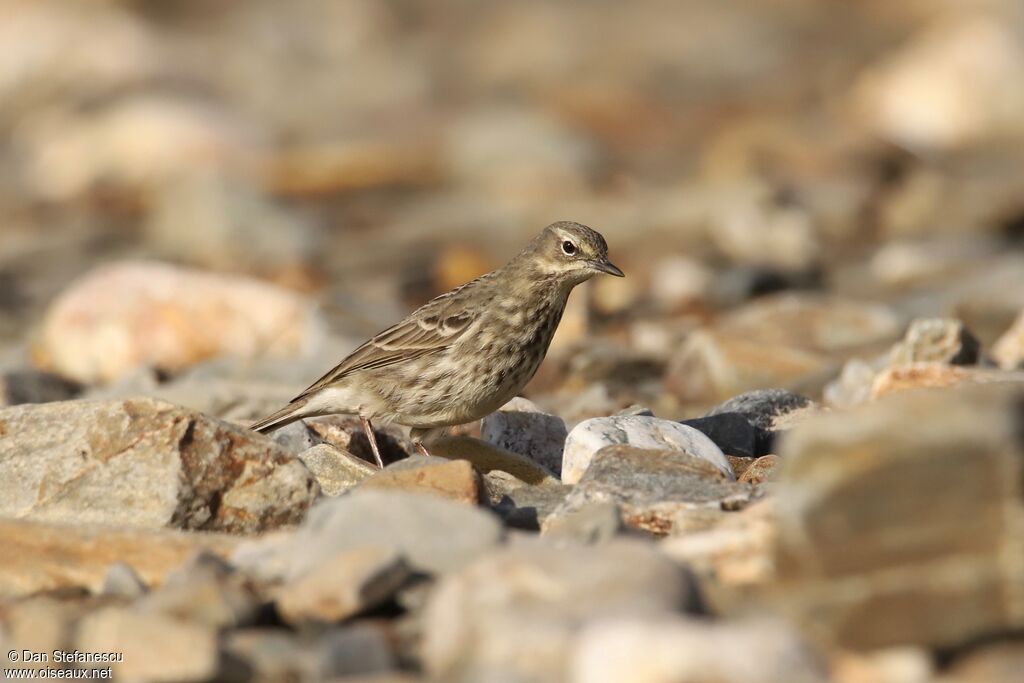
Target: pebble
(1008, 351)
(936, 340)
(454, 480)
(731, 432)
(594, 523)
(33, 386)
(522, 427)
(133, 314)
(145, 463)
(434, 534)
(336, 470)
(651, 485)
(590, 436)
(488, 458)
(761, 470)
(205, 590)
(122, 581)
(345, 584)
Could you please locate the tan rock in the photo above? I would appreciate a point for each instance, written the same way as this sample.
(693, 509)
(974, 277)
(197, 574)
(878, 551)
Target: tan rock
(1008, 350)
(336, 470)
(760, 470)
(935, 375)
(132, 314)
(346, 584)
(936, 340)
(145, 463)
(486, 458)
(455, 480)
(43, 557)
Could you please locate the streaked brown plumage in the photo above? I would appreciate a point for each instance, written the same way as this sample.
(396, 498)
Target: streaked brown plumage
(465, 353)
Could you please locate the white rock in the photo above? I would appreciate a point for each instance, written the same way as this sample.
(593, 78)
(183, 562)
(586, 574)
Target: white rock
(590, 436)
(522, 427)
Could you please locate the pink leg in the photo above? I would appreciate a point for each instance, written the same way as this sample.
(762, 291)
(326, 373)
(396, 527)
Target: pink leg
(368, 428)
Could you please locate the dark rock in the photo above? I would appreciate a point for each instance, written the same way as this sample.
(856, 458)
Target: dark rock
(32, 386)
(731, 432)
(762, 408)
(526, 507)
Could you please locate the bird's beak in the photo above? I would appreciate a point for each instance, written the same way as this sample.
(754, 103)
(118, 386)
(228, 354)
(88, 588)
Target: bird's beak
(607, 266)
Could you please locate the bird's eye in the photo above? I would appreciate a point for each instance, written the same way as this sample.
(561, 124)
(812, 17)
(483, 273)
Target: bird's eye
(568, 248)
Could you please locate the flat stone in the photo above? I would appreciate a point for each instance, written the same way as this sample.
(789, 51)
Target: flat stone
(46, 557)
(595, 523)
(134, 314)
(937, 375)
(590, 436)
(650, 486)
(527, 507)
(488, 458)
(347, 583)
(936, 340)
(523, 428)
(452, 479)
(671, 649)
(145, 463)
(434, 534)
(153, 647)
(336, 470)
(731, 432)
(761, 470)
(532, 598)
(895, 519)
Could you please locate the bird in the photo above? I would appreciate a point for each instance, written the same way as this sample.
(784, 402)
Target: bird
(463, 354)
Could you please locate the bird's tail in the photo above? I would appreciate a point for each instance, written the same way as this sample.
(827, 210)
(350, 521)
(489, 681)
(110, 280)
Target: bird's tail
(290, 413)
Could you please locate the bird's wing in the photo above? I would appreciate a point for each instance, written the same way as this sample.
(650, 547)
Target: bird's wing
(428, 330)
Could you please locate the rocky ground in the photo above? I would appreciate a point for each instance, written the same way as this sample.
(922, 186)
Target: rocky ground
(787, 447)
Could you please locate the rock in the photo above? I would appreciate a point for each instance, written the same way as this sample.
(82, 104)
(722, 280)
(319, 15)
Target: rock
(865, 557)
(710, 366)
(296, 437)
(853, 386)
(47, 557)
(891, 665)
(589, 524)
(153, 647)
(533, 597)
(452, 479)
(678, 282)
(936, 340)
(731, 432)
(122, 581)
(434, 535)
(590, 436)
(347, 583)
(488, 458)
(1008, 351)
(676, 649)
(936, 375)
(527, 507)
(205, 590)
(650, 486)
(336, 470)
(521, 427)
(761, 470)
(762, 408)
(133, 314)
(33, 386)
(38, 624)
(145, 463)
(346, 432)
(999, 662)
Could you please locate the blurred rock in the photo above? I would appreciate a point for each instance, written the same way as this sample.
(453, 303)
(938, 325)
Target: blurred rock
(122, 581)
(296, 437)
(651, 485)
(31, 386)
(153, 647)
(205, 590)
(731, 432)
(528, 507)
(589, 524)
(434, 534)
(853, 386)
(930, 375)
(769, 411)
(853, 512)
(760, 470)
(521, 427)
(589, 437)
(533, 598)
(336, 470)
(41, 554)
(132, 314)
(455, 480)
(347, 583)
(148, 464)
(487, 458)
(999, 662)
(989, 301)
(679, 650)
(1008, 350)
(890, 665)
(936, 340)
(677, 282)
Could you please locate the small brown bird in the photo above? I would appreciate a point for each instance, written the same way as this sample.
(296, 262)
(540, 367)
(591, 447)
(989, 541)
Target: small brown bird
(464, 354)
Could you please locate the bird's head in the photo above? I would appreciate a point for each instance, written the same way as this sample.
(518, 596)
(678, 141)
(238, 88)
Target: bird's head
(571, 252)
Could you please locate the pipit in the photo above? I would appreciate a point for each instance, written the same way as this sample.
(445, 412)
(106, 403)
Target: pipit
(464, 354)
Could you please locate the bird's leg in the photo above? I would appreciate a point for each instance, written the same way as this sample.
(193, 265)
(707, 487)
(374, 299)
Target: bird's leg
(421, 448)
(368, 428)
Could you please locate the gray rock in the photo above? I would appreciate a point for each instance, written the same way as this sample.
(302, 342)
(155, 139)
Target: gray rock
(205, 590)
(343, 585)
(434, 535)
(296, 437)
(532, 597)
(527, 507)
(762, 406)
(590, 436)
(32, 386)
(145, 463)
(594, 523)
(651, 486)
(123, 581)
(521, 427)
(936, 340)
(336, 470)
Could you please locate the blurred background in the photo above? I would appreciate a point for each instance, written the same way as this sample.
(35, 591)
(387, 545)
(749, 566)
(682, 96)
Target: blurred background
(785, 183)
